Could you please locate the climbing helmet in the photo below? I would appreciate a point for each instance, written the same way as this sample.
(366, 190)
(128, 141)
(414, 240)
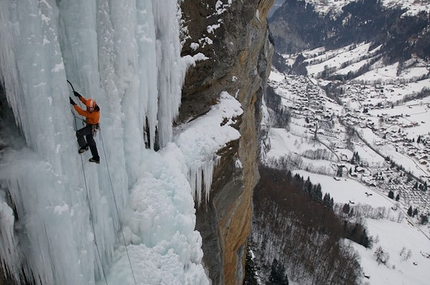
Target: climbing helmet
(91, 104)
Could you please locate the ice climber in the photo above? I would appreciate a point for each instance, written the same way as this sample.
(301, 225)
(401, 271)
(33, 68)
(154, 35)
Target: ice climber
(92, 115)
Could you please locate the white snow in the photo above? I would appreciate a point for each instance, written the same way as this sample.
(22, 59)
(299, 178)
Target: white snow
(336, 58)
(346, 190)
(211, 29)
(407, 249)
(200, 139)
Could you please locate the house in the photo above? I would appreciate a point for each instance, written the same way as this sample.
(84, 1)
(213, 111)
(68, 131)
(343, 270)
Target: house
(360, 169)
(344, 157)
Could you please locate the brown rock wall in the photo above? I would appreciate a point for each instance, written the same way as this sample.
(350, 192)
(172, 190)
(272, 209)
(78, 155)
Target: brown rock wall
(239, 64)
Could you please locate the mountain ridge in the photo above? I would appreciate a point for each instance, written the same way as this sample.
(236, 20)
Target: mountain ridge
(401, 35)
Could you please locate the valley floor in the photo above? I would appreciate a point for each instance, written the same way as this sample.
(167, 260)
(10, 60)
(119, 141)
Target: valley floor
(371, 141)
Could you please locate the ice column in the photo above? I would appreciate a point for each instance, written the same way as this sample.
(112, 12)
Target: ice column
(8, 243)
(171, 69)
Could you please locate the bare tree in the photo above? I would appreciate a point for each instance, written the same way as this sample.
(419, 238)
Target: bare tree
(381, 256)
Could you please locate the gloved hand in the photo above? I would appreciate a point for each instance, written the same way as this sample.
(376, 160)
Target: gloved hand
(71, 101)
(77, 94)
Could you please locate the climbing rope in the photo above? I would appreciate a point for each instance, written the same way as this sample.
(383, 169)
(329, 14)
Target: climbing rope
(114, 199)
(116, 207)
(91, 213)
(92, 222)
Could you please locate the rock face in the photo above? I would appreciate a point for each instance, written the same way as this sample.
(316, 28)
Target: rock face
(234, 38)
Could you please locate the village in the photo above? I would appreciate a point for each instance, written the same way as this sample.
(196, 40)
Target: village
(365, 116)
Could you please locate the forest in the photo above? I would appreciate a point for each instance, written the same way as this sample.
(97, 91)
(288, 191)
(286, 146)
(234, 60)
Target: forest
(298, 230)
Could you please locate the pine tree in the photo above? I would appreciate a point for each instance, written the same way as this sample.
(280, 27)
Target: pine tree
(277, 275)
(410, 211)
(365, 240)
(424, 219)
(346, 208)
(250, 270)
(317, 193)
(328, 201)
(289, 176)
(339, 172)
(409, 179)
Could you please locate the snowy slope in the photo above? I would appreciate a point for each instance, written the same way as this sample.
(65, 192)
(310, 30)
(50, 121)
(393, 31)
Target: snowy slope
(407, 247)
(131, 219)
(335, 6)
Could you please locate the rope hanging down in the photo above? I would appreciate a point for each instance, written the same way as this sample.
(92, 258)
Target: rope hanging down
(91, 216)
(116, 208)
(114, 199)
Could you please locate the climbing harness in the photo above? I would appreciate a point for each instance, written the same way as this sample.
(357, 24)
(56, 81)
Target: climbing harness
(95, 129)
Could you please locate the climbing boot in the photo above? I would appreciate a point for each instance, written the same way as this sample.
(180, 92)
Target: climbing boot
(95, 160)
(83, 149)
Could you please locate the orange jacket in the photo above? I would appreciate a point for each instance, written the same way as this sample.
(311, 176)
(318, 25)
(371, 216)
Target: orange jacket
(93, 117)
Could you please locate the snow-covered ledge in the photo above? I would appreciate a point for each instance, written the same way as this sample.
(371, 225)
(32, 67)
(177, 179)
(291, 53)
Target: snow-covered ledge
(200, 139)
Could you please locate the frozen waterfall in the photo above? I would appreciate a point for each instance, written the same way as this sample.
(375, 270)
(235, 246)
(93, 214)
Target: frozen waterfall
(131, 219)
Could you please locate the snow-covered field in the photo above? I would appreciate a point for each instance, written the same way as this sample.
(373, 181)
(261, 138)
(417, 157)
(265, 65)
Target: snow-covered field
(406, 245)
(339, 57)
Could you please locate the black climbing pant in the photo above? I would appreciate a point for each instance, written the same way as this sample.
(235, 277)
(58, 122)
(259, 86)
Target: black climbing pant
(88, 132)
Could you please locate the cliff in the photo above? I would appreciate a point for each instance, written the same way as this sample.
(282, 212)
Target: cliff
(234, 38)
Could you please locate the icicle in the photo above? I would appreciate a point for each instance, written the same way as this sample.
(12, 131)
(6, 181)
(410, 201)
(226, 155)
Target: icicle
(171, 70)
(208, 175)
(145, 35)
(8, 70)
(200, 177)
(199, 144)
(8, 243)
